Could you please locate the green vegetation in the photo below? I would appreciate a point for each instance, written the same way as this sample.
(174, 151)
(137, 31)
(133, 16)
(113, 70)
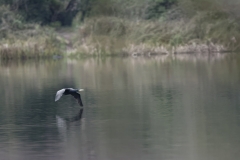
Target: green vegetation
(25, 40)
(102, 27)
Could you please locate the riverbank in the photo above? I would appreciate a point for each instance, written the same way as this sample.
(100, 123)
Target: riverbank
(32, 42)
(203, 33)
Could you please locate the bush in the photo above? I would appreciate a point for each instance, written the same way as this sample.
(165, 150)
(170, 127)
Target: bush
(158, 7)
(9, 19)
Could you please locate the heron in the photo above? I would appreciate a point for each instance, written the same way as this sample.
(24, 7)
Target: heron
(74, 92)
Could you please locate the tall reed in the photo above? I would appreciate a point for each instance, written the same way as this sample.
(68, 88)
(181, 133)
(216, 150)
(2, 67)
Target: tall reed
(202, 33)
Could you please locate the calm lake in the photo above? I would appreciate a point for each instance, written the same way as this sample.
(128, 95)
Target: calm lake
(135, 108)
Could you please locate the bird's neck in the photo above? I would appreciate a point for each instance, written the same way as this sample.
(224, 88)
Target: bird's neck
(66, 92)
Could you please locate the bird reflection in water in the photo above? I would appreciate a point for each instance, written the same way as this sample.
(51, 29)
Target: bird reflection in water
(72, 119)
(75, 118)
(63, 124)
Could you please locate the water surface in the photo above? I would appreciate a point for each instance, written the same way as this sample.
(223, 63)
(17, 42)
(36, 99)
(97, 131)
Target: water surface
(135, 108)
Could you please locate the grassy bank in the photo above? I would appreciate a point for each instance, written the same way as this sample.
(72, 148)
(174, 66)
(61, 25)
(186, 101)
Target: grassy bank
(31, 43)
(202, 33)
(25, 40)
(174, 33)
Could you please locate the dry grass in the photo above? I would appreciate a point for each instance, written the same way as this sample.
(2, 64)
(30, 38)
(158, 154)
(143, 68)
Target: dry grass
(202, 33)
(25, 40)
(199, 34)
(30, 48)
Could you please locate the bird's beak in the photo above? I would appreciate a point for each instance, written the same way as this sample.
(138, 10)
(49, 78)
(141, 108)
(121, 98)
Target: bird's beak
(80, 90)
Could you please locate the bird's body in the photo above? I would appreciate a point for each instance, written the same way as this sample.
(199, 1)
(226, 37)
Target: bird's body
(66, 91)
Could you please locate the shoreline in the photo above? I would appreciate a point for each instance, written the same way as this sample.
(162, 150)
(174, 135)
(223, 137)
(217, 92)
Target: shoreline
(34, 51)
(106, 36)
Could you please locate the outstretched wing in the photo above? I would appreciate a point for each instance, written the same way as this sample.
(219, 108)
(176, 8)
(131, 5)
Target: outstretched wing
(59, 94)
(78, 97)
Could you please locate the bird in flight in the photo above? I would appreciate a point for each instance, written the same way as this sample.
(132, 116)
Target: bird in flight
(74, 92)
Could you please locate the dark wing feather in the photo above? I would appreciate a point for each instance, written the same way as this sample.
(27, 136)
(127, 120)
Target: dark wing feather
(78, 97)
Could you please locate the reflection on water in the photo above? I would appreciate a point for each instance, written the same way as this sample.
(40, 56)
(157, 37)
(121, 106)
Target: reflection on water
(169, 108)
(64, 123)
